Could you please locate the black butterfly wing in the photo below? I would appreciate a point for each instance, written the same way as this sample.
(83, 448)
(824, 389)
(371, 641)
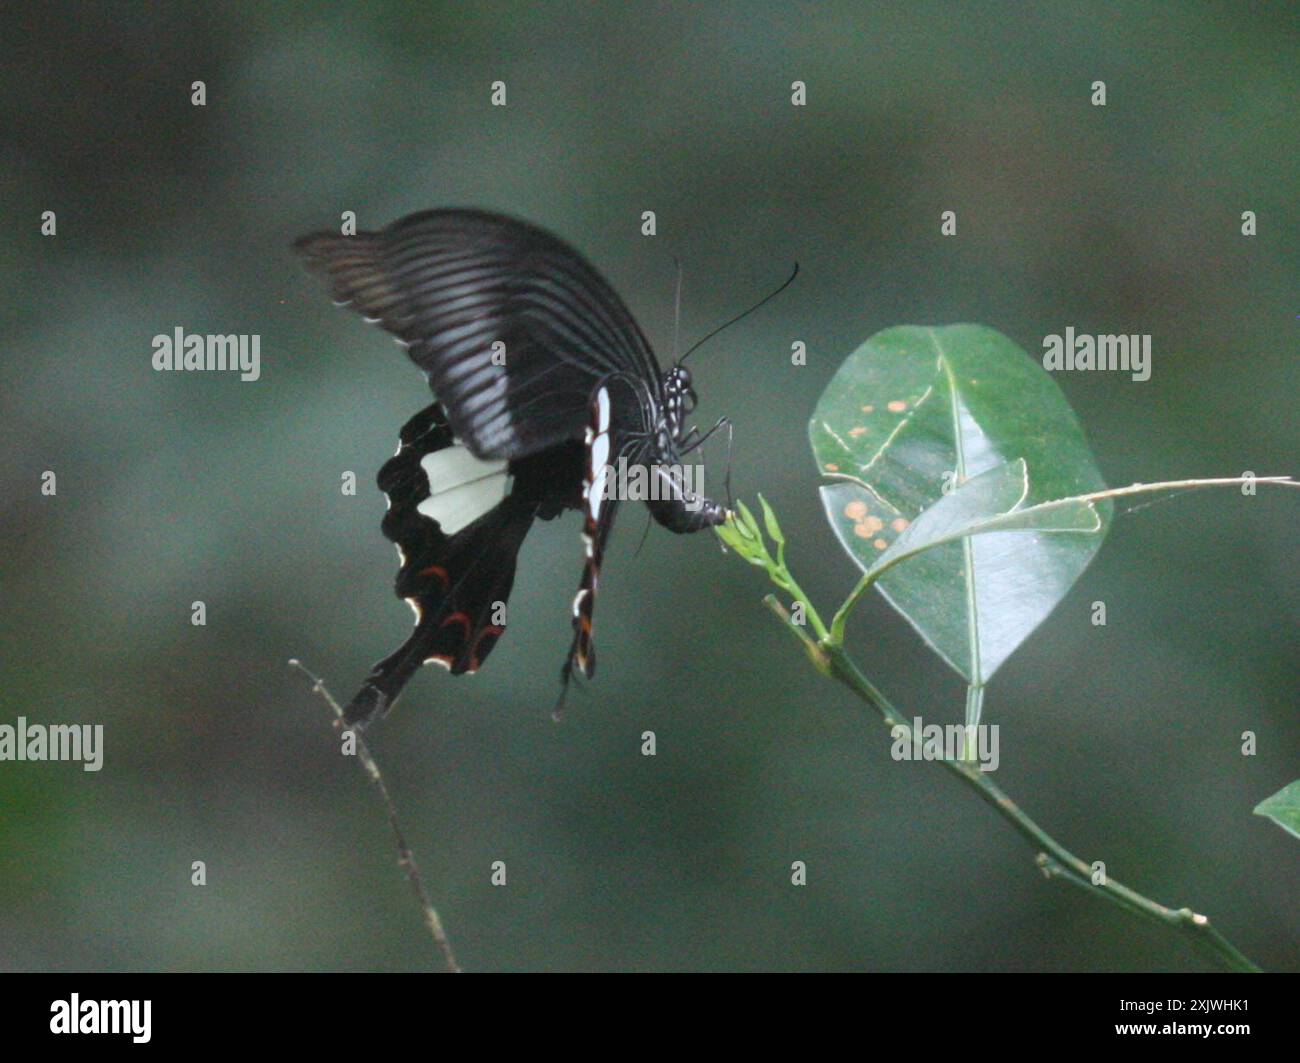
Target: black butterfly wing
(512, 327)
(458, 524)
(619, 435)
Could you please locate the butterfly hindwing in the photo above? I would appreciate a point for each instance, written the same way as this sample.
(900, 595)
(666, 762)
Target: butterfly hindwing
(457, 530)
(458, 523)
(616, 407)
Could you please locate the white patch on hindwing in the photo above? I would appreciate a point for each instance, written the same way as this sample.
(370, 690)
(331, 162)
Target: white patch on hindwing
(597, 455)
(461, 487)
(600, 451)
(596, 491)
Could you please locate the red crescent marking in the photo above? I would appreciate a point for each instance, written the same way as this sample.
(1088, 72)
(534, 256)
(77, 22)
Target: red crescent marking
(439, 572)
(461, 618)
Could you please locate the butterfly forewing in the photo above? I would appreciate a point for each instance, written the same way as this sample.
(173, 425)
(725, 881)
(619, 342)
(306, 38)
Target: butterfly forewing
(512, 328)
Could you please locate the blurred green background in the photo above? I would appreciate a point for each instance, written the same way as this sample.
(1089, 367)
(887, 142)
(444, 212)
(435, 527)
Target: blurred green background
(1124, 741)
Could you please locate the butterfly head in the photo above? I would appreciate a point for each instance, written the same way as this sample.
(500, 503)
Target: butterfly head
(680, 398)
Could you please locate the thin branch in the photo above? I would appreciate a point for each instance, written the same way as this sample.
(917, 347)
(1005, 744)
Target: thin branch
(405, 858)
(840, 620)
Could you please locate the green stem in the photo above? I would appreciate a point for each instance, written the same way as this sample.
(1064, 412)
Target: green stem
(841, 617)
(1054, 859)
(974, 708)
(825, 649)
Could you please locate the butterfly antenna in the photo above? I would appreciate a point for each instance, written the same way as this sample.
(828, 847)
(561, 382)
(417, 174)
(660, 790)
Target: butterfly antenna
(727, 324)
(727, 478)
(677, 309)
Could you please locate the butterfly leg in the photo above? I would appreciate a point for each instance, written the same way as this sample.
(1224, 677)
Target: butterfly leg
(694, 441)
(700, 440)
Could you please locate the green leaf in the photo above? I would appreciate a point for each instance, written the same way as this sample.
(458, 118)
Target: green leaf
(769, 522)
(991, 502)
(914, 408)
(1283, 808)
(740, 534)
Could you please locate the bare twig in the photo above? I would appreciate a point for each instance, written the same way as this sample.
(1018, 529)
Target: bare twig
(405, 858)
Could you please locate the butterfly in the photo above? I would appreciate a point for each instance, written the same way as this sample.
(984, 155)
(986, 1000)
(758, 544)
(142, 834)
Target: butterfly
(543, 381)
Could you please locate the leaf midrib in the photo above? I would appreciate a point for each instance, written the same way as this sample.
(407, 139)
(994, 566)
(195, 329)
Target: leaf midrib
(967, 544)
